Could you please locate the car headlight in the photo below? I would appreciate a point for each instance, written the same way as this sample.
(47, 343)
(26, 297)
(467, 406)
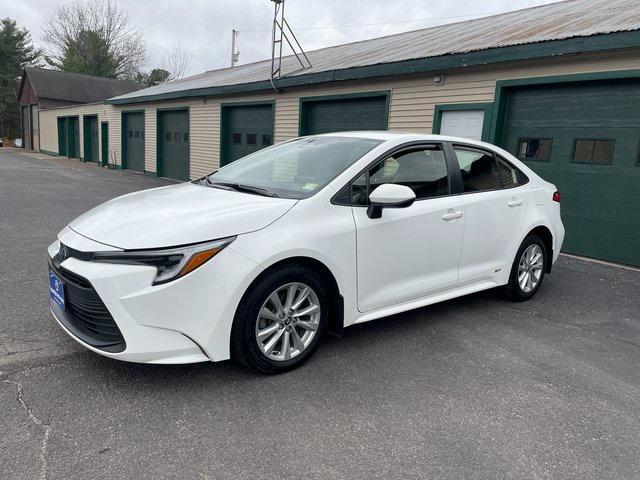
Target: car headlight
(170, 263)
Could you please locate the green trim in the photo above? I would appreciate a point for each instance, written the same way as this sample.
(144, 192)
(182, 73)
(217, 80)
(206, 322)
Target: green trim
(487, 107)
(123, 160)
(86, 134)
(248, 104)
(159, 149)
(503, 86)
(49, 152)
(302, 117)
(552, 48)
(224, 108)
(149, 173)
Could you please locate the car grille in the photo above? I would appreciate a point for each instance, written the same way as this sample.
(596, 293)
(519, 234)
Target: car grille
(85, 315)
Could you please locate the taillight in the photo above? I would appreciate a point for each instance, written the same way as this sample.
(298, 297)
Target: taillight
(556, 197)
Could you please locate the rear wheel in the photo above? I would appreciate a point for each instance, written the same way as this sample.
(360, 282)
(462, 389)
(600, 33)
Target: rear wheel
(280, 320)
(528, 269)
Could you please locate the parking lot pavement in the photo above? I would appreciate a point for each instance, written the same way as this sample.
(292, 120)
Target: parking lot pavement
(39, 195)
(474, 388)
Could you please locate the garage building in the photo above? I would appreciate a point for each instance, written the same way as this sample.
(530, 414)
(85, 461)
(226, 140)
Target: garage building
(557, 85)
(42, 88)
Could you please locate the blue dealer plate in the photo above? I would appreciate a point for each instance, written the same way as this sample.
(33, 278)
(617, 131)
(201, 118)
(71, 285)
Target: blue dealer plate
(56, 290)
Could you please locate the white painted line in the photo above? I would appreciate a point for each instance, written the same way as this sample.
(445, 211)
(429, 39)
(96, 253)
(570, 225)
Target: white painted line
(602, 262)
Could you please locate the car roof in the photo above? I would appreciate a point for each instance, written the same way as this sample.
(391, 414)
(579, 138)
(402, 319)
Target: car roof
(407, 136)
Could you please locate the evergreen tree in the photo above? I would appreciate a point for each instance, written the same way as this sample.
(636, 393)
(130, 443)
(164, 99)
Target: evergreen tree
(16, 51)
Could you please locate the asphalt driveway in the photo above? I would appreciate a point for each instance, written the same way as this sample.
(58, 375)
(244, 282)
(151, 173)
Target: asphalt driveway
(473, 388)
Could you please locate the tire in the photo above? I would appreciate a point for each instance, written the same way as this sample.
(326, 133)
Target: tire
(514, 289)
(245, 346)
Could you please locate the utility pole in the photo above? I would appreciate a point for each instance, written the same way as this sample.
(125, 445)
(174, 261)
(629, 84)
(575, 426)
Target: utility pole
(235, 55)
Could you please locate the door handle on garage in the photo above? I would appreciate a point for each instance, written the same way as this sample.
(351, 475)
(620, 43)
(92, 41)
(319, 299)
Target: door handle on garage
(451, 215)
(515, 203)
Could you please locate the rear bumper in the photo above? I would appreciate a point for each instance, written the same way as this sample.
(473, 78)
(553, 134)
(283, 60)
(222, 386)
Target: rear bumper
(558, 239)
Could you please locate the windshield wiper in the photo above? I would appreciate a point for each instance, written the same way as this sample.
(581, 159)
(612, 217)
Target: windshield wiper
(242, 188)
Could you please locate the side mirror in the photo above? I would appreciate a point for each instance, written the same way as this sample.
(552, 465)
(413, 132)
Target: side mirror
(389, 195)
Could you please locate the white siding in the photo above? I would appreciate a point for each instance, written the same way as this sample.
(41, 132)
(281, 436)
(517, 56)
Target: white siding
(413, 98)
(49, 125)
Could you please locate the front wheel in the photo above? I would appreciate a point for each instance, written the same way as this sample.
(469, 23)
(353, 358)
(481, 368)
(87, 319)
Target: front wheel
(280, 320)
(527, 271)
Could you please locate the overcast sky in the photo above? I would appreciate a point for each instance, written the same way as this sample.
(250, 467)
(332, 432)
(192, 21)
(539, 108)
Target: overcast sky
(203, 27)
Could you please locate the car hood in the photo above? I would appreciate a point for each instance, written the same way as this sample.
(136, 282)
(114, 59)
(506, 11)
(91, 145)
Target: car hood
(178, 215)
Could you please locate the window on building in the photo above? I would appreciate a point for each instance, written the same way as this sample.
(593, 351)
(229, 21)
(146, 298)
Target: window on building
(137, 134)
(593, 151)
(167, 136)
(251, 138)
(266, 139)
(176, 137)
(537, 149)
(424, 170)
(236, 138)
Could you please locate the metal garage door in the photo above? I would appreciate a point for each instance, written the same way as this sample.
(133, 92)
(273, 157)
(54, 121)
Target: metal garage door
(104, 133)
(585, 138)
(245, 129)
(133, 141)
(173, 144)
(62, 136)
(73, 137)
(90, 136)
(343, 114)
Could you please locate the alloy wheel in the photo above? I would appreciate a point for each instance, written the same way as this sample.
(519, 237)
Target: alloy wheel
(530, 268)
(288, 321)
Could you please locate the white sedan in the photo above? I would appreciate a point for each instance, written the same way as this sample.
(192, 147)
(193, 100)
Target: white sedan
(261, 258)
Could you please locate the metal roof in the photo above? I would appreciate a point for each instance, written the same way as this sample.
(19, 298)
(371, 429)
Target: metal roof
(75, 87)
(556, 21)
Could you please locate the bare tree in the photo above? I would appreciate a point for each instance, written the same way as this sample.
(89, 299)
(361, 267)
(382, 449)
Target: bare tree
(94, 36)
(176, 61)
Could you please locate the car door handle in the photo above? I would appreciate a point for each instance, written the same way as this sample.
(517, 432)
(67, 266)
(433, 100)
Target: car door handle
(451, 215)
(515, 203)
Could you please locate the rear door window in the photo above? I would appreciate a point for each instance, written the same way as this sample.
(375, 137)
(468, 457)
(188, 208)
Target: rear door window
(478, 169)
(483, 171)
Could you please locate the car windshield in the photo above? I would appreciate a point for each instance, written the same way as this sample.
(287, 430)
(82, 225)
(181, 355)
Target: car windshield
(295, 169)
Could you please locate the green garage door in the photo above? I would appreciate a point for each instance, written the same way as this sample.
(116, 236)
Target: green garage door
(173, 144)
(343, 114)
(245, 129)
(133, 141)
(90, 136)
(104, 133)
(68, 137)
(585, 138)
(63, 125)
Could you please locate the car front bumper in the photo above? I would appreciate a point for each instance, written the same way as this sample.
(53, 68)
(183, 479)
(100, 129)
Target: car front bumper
(187, 320)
